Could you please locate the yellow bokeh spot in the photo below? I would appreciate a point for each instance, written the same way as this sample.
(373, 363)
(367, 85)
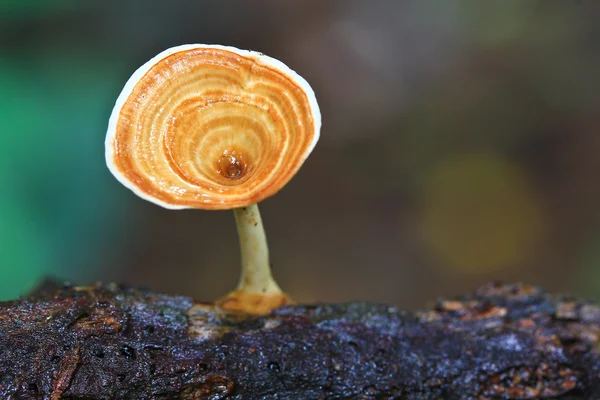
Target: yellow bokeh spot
(480, 213)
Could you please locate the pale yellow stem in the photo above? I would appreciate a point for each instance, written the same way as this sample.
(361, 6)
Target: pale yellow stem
(256, 274)
(257, 291)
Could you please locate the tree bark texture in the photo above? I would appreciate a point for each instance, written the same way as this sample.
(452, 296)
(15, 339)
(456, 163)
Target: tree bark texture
(114, 342)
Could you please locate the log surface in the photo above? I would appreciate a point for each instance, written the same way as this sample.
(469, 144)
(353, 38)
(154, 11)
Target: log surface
(114, 342)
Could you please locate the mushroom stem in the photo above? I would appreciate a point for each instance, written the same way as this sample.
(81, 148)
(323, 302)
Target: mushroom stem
(257, 291)
(256, 274)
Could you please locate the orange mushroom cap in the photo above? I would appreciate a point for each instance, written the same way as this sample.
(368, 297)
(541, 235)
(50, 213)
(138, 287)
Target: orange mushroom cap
(211, 127)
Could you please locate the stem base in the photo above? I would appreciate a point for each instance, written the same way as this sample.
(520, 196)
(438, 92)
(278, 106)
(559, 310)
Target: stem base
(253, 303)
(257, 292)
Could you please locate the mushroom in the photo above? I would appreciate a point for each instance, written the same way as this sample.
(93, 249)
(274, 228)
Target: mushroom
(215, 127)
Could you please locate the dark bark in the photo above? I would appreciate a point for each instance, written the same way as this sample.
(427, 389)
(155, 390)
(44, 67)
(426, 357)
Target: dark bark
(111, 342)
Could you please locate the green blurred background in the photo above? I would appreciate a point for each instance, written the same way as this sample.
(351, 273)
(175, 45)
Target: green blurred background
(460, 144)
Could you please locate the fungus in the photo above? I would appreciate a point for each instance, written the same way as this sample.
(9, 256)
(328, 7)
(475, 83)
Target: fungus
(214, 127)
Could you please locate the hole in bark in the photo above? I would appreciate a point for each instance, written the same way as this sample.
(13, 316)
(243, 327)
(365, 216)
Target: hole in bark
(273, 366)
(128, 352)
(81, 317)
(120, 377)
(396, 391)
(354, 345)
(149, 329)
(152, 351)
(33, 387)
(152, 368)
(55, 359)
(99, 353)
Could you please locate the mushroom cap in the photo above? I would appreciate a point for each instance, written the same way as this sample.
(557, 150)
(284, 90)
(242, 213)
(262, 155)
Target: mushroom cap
(211, 127)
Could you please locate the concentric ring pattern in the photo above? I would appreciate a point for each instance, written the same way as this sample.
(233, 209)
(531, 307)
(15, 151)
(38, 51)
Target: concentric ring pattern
(212, 127)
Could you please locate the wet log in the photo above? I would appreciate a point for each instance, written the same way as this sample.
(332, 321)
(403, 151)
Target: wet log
(114, 342)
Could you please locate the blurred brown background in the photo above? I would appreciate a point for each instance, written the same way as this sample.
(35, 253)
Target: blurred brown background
(460, 144)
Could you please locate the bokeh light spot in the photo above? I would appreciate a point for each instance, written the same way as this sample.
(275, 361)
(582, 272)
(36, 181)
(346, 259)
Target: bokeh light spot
(480, 213)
